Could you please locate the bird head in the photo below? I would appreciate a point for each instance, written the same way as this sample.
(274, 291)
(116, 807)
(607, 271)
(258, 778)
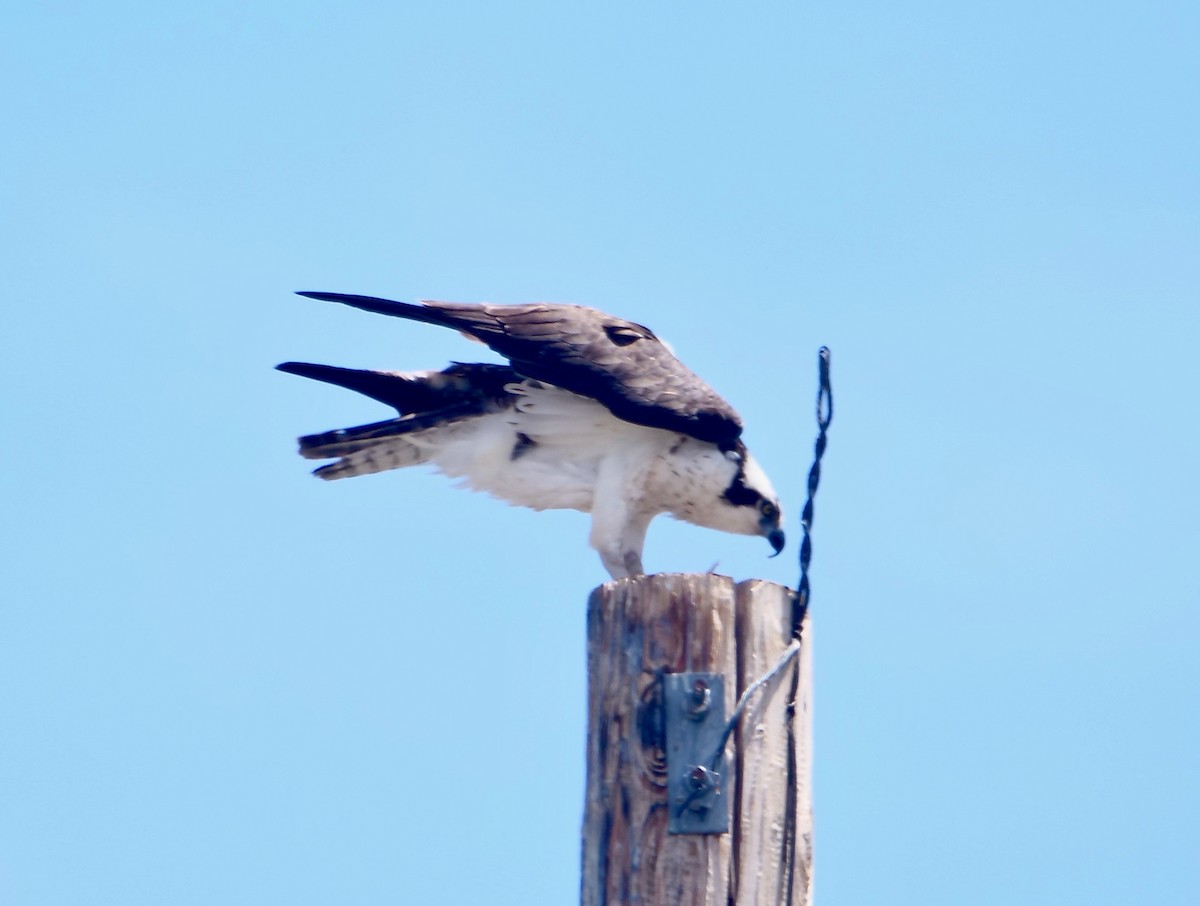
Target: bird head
(750, 505)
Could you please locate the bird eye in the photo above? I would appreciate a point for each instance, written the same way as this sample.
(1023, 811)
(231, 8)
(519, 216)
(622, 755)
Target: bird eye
(622, 335)
(767, 509)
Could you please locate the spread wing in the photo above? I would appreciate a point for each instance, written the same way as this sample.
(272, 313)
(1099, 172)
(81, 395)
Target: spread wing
(425, 401)
(622, 365)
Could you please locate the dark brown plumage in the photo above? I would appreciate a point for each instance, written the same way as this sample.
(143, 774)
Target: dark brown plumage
(622, 365)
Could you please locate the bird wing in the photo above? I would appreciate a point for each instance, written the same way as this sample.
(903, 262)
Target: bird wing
(423, 399)
(425, 392)
(620, 364)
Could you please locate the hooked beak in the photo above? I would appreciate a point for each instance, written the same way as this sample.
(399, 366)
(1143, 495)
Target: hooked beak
(777, 540)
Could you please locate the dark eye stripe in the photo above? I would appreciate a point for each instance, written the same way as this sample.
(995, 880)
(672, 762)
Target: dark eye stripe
(740, 495)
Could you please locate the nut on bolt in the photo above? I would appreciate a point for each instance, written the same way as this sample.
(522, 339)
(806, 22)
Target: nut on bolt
(699, 699)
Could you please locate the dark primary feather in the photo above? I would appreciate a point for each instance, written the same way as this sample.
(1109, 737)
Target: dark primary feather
(622, 365)
(419, 392)
(424, 400)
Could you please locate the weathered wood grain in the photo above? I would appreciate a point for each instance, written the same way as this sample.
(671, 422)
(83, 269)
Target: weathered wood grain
(639, 629)
(767, 863)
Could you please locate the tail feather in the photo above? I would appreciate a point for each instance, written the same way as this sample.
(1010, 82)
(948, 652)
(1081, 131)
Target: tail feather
(350, 440)
(377, 457)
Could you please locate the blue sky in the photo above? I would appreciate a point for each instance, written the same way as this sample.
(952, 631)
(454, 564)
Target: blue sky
(226, 682)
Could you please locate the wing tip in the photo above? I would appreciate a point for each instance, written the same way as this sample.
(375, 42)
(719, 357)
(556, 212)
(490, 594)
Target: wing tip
(333, 471)
(381, 306)
(354, 300)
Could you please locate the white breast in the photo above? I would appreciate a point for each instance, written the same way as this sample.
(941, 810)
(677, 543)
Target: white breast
(568, 437)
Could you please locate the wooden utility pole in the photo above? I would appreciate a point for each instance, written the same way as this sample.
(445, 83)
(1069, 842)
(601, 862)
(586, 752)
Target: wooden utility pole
(639, 631)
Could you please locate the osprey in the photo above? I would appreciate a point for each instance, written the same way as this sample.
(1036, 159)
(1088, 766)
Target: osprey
(593, 413)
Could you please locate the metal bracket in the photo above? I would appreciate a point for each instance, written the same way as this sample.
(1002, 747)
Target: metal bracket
(695, 723)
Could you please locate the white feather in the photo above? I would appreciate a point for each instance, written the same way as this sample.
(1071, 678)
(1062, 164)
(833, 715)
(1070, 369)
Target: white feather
(553, 449)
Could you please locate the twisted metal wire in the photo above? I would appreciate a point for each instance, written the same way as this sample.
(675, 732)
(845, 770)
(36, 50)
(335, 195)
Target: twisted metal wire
(799, 609)
(824, 417)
